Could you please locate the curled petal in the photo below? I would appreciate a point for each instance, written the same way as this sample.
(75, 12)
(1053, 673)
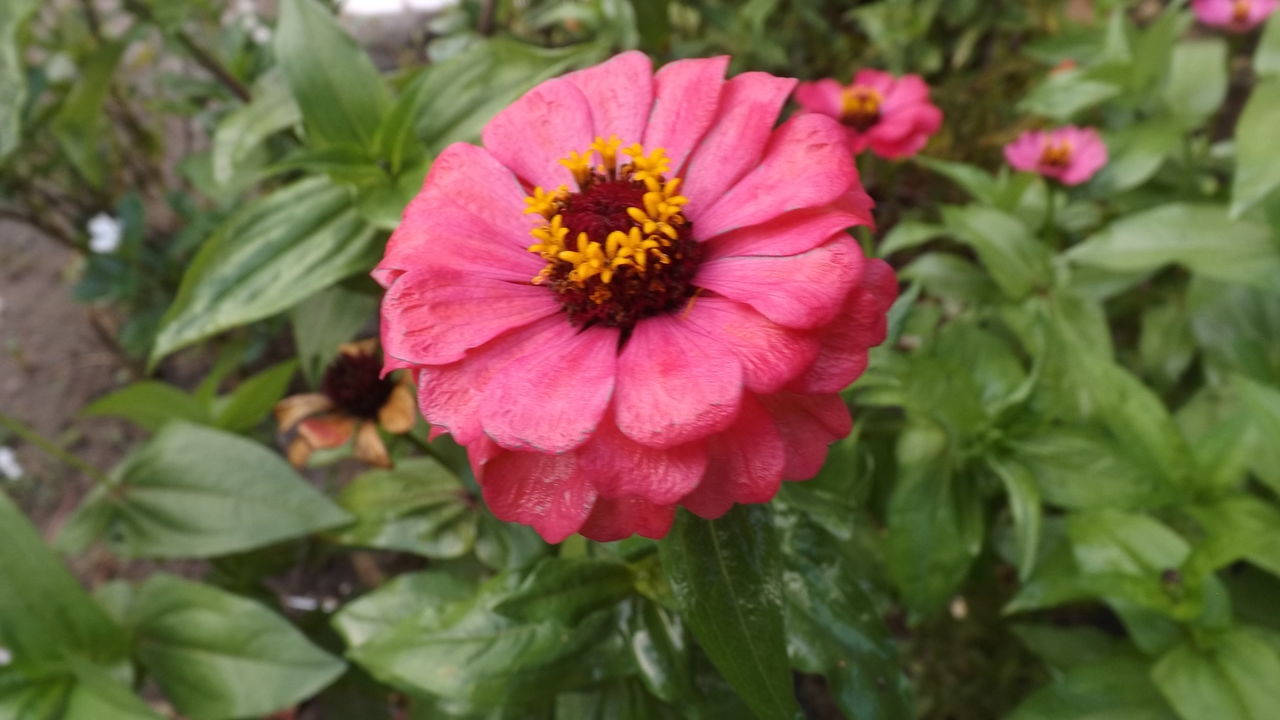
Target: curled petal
(621, 467)
(291, 410)
(861, 325)
(745, 464)
(543, 491)
(397, 415)
(619, 518)
(808, 423)
(369, 446)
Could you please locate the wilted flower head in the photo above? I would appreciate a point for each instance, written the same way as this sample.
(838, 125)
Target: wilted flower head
(355, 399)
(1070, 155)
(1234, 15)
(892, 116)
(637, 294)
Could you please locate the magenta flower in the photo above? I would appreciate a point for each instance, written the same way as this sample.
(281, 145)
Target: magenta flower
(891, 115)
(1070, 155)
(637, 294)
(1234, 15)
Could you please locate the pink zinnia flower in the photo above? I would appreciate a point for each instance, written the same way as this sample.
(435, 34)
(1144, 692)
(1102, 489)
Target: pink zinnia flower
(637, 294)
(892, 116)
(1070, 155)
(1234, 15)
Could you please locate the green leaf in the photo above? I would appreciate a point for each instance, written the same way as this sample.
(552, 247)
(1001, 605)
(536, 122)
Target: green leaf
(276, 252)
(1063, 648)
(44, 613)
(1241, 527)
(324, 321)
(661, 652)
(198, 492)
(77, 691)
(654, 23)
(725, 578)
(908, 234)
(484, 79)
(78, 125)
(1235, 327)
(834, 628)
(218, 655)
(617, 700)
(1111, 541)
(972, 179)
(1197, 82)
(1199, 237)
(249, 403)
(1024, 505)
(1062, 95)
(1085, 467)
(1263, 403)
(1266, 59)
(403, 597)
(1115, 688)
(935, 523)
(479, 659)
(1136, 153)
(419, 507)
(1235, 676)
(567, 590)
(1257, 159)
(340, 92)
(150, 404)
(1016, 260)
(13, 77)
(244, 129)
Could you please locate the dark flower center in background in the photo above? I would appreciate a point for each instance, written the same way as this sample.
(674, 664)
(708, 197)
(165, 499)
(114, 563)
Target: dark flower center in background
(352, 382)
(619, 249)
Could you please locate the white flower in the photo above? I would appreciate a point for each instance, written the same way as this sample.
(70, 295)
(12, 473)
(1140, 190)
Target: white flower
(105, 233)
(9, 466)
(6, 657)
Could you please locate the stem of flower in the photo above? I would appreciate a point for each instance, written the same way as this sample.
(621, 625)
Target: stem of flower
(1050, 229)
(49, 447)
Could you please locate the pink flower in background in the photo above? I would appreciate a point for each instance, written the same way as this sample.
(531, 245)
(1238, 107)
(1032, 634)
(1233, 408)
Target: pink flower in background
(637, 294)
(1234, 15)
(1070, 155)
(891, 115)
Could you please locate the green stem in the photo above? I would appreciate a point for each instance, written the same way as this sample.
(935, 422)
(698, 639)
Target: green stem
(1050, 230)
(50, 448)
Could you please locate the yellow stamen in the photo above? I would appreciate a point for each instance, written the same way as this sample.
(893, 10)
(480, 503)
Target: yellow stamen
(860, 105)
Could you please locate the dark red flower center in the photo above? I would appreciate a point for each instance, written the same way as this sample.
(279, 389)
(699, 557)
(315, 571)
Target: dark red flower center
(352, 382)
(619, 249)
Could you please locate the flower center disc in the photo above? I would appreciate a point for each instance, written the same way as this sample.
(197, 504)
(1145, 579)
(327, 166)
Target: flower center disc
(860, 107)
(352, 382)
(1240, 12)
(1056, 154)
(619, 249)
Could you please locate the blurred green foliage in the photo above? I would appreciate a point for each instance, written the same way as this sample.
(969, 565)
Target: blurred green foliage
(1060, 499)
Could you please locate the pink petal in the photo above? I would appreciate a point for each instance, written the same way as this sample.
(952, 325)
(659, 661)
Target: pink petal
(797, 231)
(619, 518)
(543, 491)
(905, 91)
(749, 105)
(551, 399)
(807, 164)
(1024, 152)
(620, 93)
(808, 423)
(449, 395)
(621, 467)
(799, 291)
(861, 325)
(532, 134)
(771, 355)
(673, 385)
(822, 96)
(746, 463)
(880, 80)
(904, 132)
(432, 317)
(687, 93)
(471, 210)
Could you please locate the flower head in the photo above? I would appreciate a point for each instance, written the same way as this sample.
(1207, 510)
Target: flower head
(355, 399)
(1234, 15)
(105, 233)
(1070, 155)
(638, 294)
(892, 116)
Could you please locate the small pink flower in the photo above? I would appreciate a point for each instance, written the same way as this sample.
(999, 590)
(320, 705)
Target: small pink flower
(1070, 155)
(1234, 15)
(892, 116)
(637, 294)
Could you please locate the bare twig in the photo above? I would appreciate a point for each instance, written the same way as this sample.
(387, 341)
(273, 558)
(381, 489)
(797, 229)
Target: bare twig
(198, 53)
